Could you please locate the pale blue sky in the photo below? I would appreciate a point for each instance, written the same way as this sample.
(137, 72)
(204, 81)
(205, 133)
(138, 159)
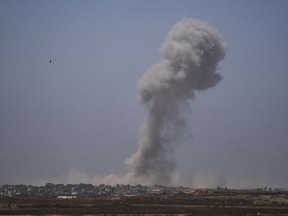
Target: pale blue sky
(81, 112)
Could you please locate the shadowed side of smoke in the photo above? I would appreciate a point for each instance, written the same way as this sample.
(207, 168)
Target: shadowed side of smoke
(191, 53)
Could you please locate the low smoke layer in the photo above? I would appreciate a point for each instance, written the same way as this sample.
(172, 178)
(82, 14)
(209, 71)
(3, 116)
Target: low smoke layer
(191, 53)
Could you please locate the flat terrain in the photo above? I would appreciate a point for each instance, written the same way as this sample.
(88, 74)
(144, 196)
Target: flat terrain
(219, 204)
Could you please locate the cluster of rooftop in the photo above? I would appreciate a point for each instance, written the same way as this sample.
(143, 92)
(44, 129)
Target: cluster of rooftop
(50, 190)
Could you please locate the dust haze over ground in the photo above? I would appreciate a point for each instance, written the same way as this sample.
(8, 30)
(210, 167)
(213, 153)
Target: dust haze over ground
(191, 53)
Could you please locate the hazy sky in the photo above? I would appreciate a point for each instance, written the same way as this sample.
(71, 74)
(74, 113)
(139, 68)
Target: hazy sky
(77, 119)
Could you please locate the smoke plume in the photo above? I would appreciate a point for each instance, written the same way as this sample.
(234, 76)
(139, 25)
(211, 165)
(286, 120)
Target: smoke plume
(190, 53)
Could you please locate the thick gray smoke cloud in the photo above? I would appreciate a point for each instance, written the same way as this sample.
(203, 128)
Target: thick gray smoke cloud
(191, 53)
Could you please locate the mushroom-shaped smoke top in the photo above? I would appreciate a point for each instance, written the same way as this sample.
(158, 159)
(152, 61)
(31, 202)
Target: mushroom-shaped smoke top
(191, 53)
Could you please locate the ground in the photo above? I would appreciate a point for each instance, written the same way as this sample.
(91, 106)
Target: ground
(204, 204)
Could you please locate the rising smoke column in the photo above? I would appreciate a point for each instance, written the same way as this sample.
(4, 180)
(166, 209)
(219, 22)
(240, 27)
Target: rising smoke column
(191, 53)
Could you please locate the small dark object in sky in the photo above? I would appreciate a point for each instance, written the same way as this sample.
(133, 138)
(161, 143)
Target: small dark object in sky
(50, 61)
